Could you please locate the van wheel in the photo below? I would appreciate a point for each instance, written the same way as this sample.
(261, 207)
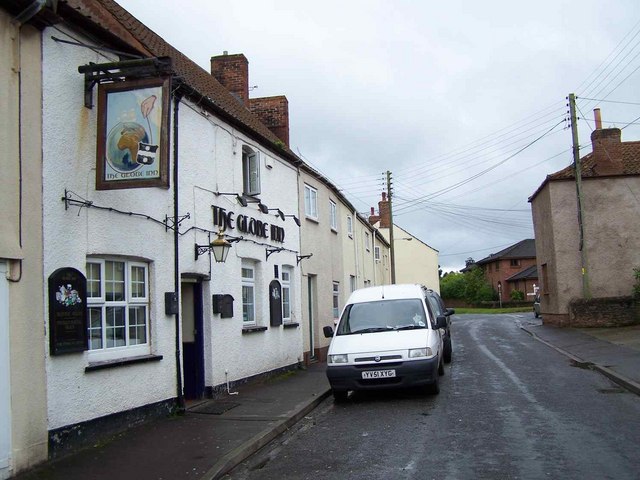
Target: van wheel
(433, 388)
(340, 396)
(447, 351)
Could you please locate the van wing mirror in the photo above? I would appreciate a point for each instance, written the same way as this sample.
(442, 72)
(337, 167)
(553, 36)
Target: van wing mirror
(450, 311)
(441, 321)
(328, 331)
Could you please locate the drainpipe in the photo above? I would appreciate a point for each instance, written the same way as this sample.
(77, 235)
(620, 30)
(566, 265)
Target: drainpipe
(176, 239)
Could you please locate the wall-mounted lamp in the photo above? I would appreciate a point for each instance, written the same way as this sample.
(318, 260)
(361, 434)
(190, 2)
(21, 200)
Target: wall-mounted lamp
(269, 251)
(246, 200)
(239, 197)
(279, 214)
(295, 219)
(220, 248)
(299, 258)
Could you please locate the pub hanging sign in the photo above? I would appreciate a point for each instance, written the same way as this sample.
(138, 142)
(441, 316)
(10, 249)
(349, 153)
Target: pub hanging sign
(67, 311)
(133, 122)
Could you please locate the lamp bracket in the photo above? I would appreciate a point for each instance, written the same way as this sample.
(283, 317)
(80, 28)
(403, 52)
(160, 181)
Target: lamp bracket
(299, 258)
(201, 250)
(269, 251)
(171, 223)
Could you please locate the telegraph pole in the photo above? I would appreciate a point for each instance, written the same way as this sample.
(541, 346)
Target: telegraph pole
(392, 249)
(586, 289)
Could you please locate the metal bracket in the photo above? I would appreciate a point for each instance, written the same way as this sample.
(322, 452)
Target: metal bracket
(119, 71)
(299, 258)
(269, 251)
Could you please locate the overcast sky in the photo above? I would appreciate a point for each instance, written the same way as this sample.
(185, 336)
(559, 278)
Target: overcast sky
(463, 101)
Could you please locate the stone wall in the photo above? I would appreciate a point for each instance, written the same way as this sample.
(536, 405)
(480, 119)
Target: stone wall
(604, 312)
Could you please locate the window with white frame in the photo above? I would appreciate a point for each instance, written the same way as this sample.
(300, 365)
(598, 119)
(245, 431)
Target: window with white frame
(310, 202)
(367, 241)
(333, 215)
(350, 225)
(250, 171)
(352, 283)
(286, 294)
(336, 298)
(118, 308)
(248, 294)
(376, 253)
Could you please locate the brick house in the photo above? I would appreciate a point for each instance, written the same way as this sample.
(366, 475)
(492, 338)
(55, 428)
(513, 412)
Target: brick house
(502, 269)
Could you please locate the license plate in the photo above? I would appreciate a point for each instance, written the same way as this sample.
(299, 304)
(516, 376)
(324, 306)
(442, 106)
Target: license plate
(379, 374)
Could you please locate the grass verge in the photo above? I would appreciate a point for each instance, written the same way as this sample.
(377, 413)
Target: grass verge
(494, 310)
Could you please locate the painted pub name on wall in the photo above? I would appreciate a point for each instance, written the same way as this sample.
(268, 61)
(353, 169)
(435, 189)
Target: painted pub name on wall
(227, 220)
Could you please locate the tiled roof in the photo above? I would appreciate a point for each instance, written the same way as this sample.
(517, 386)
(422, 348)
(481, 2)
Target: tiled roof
(630, 164)
(529, 273)
(192, 74)
(522, 249)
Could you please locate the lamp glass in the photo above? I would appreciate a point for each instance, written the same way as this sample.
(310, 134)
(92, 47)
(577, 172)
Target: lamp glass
(220, 248)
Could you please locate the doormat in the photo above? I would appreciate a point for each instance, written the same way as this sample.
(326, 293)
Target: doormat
(214, 407)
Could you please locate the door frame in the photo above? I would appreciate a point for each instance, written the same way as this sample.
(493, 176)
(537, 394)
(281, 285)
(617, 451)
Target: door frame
(5, 374)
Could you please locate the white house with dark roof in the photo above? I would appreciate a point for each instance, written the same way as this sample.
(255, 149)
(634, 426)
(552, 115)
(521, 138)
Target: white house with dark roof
(148, 160)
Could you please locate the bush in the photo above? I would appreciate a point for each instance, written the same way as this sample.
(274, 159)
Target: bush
(636, 286)
(516, 295)
(452, 286)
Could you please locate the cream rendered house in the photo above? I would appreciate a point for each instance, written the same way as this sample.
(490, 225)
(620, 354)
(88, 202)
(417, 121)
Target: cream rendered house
(23, 398)
(415, 261)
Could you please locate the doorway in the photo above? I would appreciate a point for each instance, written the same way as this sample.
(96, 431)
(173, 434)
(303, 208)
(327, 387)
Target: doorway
(192, 339)
(311, 295)
(5, 375)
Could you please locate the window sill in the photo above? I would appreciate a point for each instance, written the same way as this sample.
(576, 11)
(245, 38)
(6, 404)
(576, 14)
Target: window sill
(334, 230)
(290, 325)
(312, 219)
(253, 329)
(92, 367)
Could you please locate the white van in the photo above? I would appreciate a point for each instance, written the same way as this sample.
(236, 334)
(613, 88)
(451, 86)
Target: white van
(387, 337)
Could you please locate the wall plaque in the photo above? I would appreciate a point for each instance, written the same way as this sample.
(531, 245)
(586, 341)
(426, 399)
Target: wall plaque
(275, 303)
(67, 311)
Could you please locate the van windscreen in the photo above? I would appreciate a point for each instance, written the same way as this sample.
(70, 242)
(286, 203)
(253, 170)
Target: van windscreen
(382, 316)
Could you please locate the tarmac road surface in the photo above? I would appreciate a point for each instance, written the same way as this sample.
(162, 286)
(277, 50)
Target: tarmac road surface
(510, 407)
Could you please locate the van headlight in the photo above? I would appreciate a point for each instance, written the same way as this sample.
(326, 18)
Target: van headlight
(420, 352)
(342, 358)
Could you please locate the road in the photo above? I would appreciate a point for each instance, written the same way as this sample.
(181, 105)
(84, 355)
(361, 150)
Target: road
(509, 407)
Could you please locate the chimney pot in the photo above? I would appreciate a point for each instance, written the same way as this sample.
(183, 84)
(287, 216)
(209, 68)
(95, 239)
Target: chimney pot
(597, 118)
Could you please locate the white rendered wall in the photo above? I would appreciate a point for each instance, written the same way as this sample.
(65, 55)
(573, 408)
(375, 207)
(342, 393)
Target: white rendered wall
(211, 161)
(70, 236)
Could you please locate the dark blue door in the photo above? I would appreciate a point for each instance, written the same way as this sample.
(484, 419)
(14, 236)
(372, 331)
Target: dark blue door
(192, 340)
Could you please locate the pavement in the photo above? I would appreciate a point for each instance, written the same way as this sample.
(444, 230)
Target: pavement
(614, 352)
(205, 442)
(213, 436)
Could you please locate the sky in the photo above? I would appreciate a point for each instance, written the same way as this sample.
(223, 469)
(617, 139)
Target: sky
(463, 102)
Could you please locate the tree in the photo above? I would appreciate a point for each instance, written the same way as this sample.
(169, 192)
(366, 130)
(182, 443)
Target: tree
(452, 285)
(477, 289)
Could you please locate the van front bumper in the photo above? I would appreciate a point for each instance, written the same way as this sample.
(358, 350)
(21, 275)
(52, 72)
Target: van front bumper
(414, 373)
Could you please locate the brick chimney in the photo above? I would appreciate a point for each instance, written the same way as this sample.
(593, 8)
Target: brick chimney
(373, 218)
(383, 211)
(607, 151)
(232, 71)
(274, 113)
